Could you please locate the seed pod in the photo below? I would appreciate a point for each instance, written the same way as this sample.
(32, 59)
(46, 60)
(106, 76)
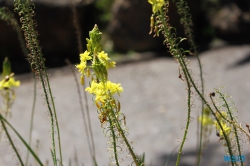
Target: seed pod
(82, 79)
(152, 24)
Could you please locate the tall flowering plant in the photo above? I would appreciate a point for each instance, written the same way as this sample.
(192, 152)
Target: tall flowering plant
(103, 90)
(7, 85)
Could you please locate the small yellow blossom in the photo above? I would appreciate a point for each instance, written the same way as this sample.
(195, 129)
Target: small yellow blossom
(156, 5)
(225, 127)
(102, 91)
(85, 56)
(103, 56)
(206, 120)
(111, 64)
(9, 83)
(104, 59)
(81, 67)
(83, 64)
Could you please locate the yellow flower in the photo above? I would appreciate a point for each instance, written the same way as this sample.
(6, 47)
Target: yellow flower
(103, 91)
(83, 64)
(225, 128)
(104, 59)
(111, 64)
(85, 56)
(206, 120)
(81, 67)
(114, 88)
(9, 83)
(156, 4)
(103, 56)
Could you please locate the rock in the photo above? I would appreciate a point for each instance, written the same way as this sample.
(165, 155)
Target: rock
(232, 21)
(129, 26)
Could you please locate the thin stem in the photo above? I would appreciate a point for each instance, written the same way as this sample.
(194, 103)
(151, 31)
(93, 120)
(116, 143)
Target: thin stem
(11, 142)
(223, 132)
(188, 120)
(88, 117)
(54, 111)
(114, 139)
(234, 127)
(32, 118)
(80, 50)
(202, 108)
(118, 126)
(21, 138)
(82, 111)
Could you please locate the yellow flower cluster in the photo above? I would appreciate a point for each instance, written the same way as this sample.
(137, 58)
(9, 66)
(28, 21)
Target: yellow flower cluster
(8, 83)
(225, 127)
(101, 87)
(156, 5)
(103, 90)
(102, 59)
(83, 62)
(8, 80)
(207, 120)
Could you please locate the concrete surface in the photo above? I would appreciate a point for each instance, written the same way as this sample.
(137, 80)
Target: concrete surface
(153, 102)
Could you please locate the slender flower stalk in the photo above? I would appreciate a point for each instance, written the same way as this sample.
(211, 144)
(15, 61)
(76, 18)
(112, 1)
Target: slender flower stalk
(103, 91)
(159, 24)
(7, 85)
(26, 12)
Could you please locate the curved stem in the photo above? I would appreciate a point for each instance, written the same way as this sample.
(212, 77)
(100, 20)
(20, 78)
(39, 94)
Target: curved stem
(234, 127)
(188, 119)
(11, 142)
(224, 134)
(21, 138)
(118, 126)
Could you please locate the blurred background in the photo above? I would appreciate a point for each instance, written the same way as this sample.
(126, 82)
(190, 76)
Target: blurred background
(154, 99)
(125, 25)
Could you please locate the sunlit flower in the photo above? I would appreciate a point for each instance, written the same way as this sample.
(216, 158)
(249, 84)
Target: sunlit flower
(224, 125)
(85, 56)
(225, 128)
(83, 64)
(105, 60)
(9, 83)
(156, 5)
(103, 91)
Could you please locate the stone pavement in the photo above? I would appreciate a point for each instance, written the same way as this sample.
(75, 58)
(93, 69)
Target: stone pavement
(153, 102)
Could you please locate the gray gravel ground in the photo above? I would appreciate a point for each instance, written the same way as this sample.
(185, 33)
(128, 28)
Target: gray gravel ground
(153, 102)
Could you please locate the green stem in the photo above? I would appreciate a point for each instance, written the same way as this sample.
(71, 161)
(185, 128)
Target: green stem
(114, 139)
(54, 111)
(234, 127)
(202, 108)
(118, 126)
(21, 138)
(178, 54)
(26, 12)
(188, 120)
(224, 134)
(32, 118)
(11, 142)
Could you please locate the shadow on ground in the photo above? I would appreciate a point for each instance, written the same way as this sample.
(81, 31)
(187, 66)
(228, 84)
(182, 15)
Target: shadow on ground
(210, 157)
